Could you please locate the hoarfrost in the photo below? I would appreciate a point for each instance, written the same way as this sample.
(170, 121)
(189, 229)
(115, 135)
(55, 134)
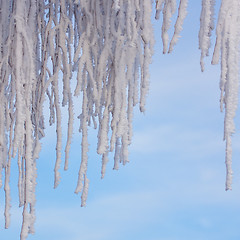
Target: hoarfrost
(109, 44)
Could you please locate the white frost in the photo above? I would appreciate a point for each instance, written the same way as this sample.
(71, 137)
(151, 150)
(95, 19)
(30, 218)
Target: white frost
(109, 44)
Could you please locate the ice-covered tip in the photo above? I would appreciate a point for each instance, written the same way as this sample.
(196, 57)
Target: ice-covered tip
(206, 27)
(182, 12)
(56, 179)
(85, 191)
(104, 164)
(228, 161)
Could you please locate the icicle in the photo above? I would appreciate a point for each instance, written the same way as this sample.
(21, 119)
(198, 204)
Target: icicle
(231, 41)
(206, 27)
(70, 130)
(182, 12)
(148, 42)
(117, 154)
(168, 8)
(82, 184)
(227, 46)
(7, 194)
(21, 179)
(58, 129)
(104, 164)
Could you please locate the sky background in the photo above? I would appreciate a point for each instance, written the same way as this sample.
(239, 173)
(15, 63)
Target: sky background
(174, 186)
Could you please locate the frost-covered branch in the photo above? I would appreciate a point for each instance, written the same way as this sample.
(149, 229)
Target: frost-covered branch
(109, 45)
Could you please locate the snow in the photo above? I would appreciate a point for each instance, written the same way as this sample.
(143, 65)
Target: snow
(109, 44)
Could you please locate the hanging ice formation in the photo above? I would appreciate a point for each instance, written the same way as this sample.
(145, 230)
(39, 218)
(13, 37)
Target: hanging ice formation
(109, 43)
(227, 50)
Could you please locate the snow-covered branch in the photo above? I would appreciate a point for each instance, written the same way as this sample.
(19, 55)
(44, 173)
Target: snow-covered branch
(109, 45)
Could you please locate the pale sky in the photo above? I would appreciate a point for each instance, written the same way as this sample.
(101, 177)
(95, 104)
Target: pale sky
(174, 186)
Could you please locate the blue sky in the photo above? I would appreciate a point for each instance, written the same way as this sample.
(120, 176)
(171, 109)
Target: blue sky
(174, 186)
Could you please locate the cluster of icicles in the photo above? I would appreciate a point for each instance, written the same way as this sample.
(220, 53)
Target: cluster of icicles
(109, 44)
